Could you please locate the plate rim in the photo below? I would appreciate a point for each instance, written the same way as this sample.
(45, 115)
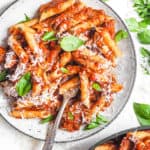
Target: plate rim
(112, 136)
(129, 94)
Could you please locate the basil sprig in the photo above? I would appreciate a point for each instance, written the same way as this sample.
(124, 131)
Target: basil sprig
(96, 122)
(3, 75)
(49, 36)
(142, 7)
(120, 35)
(24, 84)
(96, 87)
(71, 43)
(47, 119)
(142, 112)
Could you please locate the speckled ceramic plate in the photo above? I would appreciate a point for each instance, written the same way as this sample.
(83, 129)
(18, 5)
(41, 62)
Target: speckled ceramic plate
(126, 72)
(119, 135)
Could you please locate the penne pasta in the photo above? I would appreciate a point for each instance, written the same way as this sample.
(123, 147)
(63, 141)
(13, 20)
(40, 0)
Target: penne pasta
(69, 13)
(53, 8)
(68, 85)
(110, 43)
(28, 114)
(84, 88)
(2, 54)
(65, 58)
(77, 22)
(19, 51)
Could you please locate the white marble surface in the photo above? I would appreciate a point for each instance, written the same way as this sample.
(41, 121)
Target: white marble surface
(12, 139)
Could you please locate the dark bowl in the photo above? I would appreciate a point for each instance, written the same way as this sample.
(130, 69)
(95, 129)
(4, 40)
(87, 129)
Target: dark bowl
(118, 135)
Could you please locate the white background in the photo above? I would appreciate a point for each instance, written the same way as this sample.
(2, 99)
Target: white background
(14, 140)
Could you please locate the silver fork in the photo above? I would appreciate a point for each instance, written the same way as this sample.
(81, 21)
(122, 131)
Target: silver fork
(52, 130)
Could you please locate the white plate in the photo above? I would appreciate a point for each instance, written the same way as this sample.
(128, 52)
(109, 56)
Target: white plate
(126, 72)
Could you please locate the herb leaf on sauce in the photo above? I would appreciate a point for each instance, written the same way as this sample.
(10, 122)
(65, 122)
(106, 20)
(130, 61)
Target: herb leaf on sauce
(3, 75)
(71, 116)
(96, 122)
(47, 119)
(24, 84)
(64, 70)
(49, 36)
(96, 87)
(71, 43)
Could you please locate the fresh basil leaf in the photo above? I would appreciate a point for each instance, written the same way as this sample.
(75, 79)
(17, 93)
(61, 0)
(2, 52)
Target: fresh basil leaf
(3, 75)
(144, 36)
(49, 36)
(146, 21)
(101, 119)
(24, 85)
(48, 119)
(132, 24)
(71, 116)
(145, 52)
(71, 43)
(120, 35)
(92, 125)
(27, 18)
(64, 70)
(142, 7)
(96, 86)
(142, 110)
(96, 122)
(143, 122)
(143, 24)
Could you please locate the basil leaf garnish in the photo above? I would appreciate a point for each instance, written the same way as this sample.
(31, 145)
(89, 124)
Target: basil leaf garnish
(27, 18)
(49, 36)
(144, 36)
(64, 70)
(96, 122)
(101, 119)
(3, 75)
(24, 85)
(142, 112)
(145, 52)
(120, 35)
(96, 86)
(70, 115)
(132, 24)
(71, 43)
(48, 119)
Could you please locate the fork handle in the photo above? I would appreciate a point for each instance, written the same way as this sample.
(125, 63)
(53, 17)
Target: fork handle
(50, 139)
